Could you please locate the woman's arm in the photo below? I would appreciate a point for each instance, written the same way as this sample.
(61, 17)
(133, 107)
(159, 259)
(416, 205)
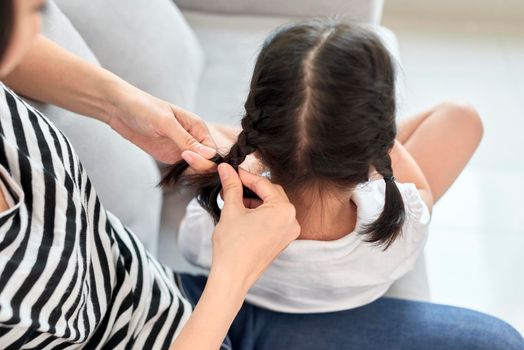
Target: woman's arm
(406, 169)
(51, 74)
(3, 203)
(219, 304)
(245, 242)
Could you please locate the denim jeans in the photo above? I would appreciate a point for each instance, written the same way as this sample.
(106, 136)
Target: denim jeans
(386, 324)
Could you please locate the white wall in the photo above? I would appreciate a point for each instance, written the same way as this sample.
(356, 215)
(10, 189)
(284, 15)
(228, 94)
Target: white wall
(505, 10)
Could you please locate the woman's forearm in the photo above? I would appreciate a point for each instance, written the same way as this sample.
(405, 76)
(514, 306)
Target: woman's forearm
(53, 75)
(213, 315)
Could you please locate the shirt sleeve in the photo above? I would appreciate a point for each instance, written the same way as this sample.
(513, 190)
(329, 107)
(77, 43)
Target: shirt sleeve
(417, 212)
(194, 235)
(415, 230)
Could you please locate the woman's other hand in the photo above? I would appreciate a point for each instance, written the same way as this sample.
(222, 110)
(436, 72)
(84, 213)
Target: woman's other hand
(159, 128)
(246, 241)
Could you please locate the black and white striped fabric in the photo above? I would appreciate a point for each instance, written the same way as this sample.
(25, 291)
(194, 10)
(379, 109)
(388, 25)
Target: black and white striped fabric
(71, 275)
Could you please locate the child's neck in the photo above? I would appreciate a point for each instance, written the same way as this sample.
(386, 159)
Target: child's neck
(324, 217)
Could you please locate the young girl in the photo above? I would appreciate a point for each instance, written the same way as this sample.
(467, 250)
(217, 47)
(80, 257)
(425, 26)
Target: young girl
(320, 119)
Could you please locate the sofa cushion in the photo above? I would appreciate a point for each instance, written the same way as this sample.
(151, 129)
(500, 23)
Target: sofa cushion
(123, 175)
(148, 43)
(368, 11)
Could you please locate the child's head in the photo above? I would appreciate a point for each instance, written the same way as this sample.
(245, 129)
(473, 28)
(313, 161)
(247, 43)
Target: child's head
(320, 113)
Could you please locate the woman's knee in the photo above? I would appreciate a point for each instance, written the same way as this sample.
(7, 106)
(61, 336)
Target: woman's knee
(504, 335)
(475, 330)
(497, 334)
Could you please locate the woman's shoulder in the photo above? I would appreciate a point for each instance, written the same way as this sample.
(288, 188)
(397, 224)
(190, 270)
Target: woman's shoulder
(11, 103)
(8, 98)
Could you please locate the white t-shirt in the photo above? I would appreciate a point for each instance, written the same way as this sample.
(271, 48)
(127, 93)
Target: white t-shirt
(312, 276)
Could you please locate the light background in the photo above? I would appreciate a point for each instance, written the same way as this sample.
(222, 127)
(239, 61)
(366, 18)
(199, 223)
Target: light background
(454, 51)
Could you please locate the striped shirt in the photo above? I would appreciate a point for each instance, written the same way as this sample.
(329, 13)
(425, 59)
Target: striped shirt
(71, 275)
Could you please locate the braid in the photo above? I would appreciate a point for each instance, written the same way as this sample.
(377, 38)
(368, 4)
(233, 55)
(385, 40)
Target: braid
(239, 151)
(208, 185)
(383, 164)
(245, 145)
(387, 227)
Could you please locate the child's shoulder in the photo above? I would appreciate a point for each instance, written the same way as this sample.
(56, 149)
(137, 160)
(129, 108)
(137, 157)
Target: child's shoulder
(372, 195)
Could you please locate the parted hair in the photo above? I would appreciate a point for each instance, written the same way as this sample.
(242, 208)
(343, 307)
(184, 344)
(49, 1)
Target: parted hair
(320, 112)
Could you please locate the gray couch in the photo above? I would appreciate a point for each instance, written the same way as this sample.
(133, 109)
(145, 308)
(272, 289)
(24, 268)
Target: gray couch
(198, 55)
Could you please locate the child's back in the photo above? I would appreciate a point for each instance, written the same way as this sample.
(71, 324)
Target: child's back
(323, 276)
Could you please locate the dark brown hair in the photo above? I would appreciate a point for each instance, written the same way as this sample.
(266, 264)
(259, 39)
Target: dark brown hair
(6, 25)
(320, 112)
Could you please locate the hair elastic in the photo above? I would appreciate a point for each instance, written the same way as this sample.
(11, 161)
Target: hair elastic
(389, 178)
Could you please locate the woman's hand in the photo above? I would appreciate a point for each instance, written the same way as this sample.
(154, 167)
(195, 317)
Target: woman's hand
(245, 242)
(159, 128)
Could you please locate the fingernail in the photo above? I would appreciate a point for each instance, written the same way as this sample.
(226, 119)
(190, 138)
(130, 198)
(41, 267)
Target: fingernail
(223, 172)
(206, 151)
(187, 156)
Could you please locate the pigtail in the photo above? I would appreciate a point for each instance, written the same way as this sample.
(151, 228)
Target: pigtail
(207, 185)
(388, 226)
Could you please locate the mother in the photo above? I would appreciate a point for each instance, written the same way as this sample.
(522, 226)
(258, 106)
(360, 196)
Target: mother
(72, 276)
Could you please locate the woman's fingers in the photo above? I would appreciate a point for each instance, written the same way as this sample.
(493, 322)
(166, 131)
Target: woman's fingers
(187, 132)
(197, 163)
(231, 187)
(264, 189)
